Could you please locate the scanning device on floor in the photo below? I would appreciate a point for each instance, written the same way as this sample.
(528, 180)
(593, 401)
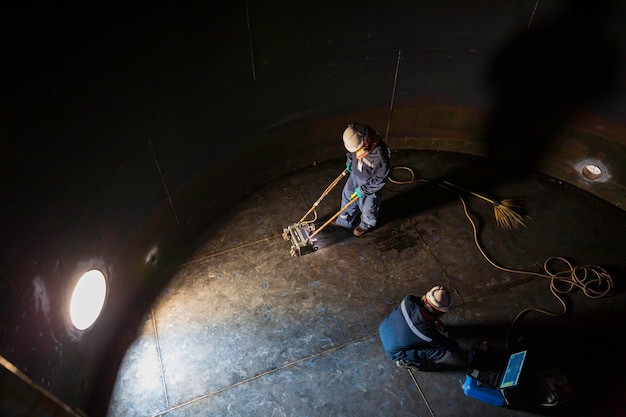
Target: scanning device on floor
(302, 234)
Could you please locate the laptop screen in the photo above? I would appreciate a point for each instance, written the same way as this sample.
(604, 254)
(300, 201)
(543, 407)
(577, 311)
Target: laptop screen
(513, 370)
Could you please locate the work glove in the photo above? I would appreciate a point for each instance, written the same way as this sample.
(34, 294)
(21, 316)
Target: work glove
(349, 167)
(356, 193)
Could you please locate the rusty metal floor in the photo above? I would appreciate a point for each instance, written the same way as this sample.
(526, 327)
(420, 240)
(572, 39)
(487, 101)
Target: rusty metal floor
(243, 328)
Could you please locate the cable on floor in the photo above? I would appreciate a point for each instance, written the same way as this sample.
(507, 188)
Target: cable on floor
(594, 281)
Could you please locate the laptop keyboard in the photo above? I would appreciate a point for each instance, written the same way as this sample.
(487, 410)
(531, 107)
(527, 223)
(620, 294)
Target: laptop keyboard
(489, 377)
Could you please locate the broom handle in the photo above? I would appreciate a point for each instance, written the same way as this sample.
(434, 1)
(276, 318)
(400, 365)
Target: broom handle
(335, 216)
(325, 193)
(471, 192)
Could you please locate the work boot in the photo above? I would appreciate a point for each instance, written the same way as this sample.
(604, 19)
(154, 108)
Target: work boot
(402, 363)
(358, 231)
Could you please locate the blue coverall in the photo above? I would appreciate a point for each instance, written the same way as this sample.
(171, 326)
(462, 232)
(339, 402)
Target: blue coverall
(370, 176)
(407, 335)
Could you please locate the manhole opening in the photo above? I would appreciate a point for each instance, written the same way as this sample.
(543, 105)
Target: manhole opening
(592, 172)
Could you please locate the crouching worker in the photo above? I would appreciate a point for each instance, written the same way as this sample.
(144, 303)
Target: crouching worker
(413, 334)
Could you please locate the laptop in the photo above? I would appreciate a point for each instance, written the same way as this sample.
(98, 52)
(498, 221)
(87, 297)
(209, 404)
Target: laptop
(494, 369)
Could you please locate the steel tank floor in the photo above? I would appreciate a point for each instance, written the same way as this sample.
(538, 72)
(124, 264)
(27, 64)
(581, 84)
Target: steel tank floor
(244, 328)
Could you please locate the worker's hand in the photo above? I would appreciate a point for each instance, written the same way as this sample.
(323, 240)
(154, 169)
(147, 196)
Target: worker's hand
(356, 193)
(441, 327)
(349, 167)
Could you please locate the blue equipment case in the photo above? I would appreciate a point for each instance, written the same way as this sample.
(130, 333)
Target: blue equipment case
(471, 388)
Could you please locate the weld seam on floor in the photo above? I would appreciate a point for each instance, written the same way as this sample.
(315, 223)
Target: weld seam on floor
(212, 255)
(158, 346)
(441, 268)
(421, 393)
(266, 373)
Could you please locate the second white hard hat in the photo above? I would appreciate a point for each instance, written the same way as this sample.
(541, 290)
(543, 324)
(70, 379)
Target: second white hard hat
(439, 298)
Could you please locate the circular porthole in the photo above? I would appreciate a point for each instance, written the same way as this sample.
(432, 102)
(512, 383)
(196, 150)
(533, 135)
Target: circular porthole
(88, 299)
(592, 172)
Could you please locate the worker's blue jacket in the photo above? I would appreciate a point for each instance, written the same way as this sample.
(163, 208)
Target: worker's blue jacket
(371, 173)
(407, 334)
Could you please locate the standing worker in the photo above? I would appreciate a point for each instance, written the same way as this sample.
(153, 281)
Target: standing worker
(413, 334)
(368, 161)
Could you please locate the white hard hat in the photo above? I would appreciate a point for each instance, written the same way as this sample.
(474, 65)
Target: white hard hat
(439, 298)
(352, 139)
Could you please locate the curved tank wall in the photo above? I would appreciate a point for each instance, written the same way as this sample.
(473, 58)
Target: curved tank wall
(129, 130)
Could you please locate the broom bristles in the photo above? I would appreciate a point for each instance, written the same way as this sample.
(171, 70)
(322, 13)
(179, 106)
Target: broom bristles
(506, 215)
(508, 212)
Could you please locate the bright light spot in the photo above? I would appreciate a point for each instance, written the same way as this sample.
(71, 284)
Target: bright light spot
(87, 299)
(592, 172)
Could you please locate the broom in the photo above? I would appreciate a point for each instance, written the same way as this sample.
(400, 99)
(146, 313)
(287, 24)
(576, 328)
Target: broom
(505, 211)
